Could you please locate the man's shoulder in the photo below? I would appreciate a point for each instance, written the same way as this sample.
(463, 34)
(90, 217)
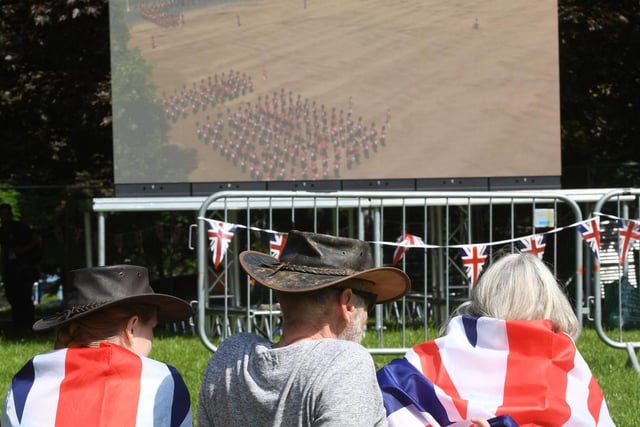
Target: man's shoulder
(339, 361)
(341, 349)
(342, 344)
(241, 340)
(244, 337)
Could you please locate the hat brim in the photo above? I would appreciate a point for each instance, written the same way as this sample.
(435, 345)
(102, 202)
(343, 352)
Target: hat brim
(170, 309)
(388, 283)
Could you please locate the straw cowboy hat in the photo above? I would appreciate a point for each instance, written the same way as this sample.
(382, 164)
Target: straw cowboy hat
(311, 261)
(92, 289)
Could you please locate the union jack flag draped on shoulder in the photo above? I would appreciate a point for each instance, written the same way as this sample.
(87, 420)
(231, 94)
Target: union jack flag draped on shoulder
(276, 244)
(220, 234)
(405, 241)
(629, 232)
(473, 258)
(590, 230)
(485, 367)
(107, 386)
(533, 244)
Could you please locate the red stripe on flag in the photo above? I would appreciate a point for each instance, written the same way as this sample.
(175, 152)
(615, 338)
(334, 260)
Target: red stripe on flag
(112, 375)
(594, 401)
(434, 369)
(530, 364)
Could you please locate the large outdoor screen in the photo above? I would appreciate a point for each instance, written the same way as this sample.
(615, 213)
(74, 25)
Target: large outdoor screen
(271, 92)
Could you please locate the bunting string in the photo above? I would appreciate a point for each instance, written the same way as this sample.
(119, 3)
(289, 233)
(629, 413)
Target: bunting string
(473, 255)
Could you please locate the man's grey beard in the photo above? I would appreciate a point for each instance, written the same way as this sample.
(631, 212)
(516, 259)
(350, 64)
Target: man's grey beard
(355, 329)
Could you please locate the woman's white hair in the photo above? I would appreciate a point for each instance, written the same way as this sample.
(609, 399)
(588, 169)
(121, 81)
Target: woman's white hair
(521, 287)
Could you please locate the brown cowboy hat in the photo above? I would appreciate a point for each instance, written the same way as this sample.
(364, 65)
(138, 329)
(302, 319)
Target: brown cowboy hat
(311, 261)
(88, 290)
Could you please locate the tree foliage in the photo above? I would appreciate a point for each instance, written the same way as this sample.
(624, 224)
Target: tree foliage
(600, 92)
(55, 92)
(55, 106)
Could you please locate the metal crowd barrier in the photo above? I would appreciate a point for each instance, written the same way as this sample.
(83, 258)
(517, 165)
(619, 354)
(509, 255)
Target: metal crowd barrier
(615, 271)
(445, 222)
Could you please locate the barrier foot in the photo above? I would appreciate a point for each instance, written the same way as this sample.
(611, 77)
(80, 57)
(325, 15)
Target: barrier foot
(633, 357)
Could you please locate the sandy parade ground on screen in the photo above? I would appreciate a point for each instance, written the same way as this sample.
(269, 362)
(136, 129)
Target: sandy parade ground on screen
(457, 88)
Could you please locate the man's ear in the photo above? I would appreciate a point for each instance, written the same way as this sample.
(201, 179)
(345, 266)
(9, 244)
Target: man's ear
(347, 304)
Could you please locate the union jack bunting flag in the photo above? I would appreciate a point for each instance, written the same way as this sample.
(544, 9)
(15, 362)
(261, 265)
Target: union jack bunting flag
(406, 241)
(473, 258)
(533, 244)
(483, 367)
(220, 234)
(590, 231)
(276, 244)
(628, 232)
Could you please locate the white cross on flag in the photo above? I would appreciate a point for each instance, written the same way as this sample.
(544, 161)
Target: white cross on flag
(628, 232)
(533, 244)
(590, 230)
(473, 259)
(220, 234)
(276, 244)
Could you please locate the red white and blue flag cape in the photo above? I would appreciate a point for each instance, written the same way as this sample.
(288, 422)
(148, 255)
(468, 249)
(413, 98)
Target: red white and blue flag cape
(473, 258)
(276, 244)
(485, 367)
(108, 386)
(628, 232)
(220, 234)
(406, 241)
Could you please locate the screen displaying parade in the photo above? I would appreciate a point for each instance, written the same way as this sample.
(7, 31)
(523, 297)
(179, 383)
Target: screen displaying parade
(285, 90)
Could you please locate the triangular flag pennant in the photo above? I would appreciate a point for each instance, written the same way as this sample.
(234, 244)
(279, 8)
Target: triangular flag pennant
(533, 244)
(590, 230)
(276, 244)
(405, 241)
(473, 259)
(220, 234)
(628, 232)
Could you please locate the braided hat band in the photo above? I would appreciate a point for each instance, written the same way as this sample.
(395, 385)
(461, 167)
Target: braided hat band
(74, 311)
(312, 270)
(311, 261)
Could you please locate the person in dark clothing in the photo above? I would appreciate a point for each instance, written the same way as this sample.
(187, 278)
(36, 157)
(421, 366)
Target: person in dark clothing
(20, 257)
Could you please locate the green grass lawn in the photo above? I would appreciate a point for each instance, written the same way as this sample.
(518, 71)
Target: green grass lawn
(621, 384)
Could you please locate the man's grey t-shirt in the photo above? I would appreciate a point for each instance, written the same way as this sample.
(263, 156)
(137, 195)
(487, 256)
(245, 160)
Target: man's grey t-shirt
(326, 382)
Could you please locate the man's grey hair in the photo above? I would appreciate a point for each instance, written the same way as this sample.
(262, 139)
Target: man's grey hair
(306, 304)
